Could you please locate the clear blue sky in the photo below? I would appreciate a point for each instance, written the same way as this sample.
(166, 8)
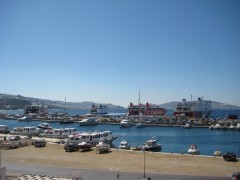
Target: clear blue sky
(106, 51)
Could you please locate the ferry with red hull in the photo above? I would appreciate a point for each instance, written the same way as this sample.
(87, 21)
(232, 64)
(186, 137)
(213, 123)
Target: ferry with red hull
(145, 109)
(199, 108)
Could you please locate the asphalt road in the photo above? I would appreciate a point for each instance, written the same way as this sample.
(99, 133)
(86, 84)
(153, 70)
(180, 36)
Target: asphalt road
(86, 174)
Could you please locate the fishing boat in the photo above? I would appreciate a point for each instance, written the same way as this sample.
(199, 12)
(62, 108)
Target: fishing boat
(151, 145)
(199, 108)
(124, 145)
(91, 137)
(102, 146)
(193, 149)
(88, 121)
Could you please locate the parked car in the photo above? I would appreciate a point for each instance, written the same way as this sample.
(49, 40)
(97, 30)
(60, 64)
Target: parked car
(236, 176)
(40, 143)
(229, 156)
(71, 147)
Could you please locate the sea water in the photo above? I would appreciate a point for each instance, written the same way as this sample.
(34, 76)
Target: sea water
(172, 139)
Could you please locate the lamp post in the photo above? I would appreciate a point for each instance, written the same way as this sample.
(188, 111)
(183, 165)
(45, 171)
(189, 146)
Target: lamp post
(143, 149)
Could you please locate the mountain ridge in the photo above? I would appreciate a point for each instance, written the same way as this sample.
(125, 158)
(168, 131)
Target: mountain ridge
(18, 102)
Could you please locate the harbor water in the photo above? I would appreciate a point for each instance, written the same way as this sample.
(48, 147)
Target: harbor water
(172, 139)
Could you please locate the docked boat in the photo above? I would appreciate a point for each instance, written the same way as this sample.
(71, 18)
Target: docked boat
(88, 121)
(193, 150)
(44, 126)
(91, 137)
(99, 109)
(218, 127)
(124, 145)
(29, 131)
(4, 129)
(151, 145)
(238, 127)
(58, 133)
(125, 123)
(140, 125)
(66, 121)
(199, 108)
(146, 109)
(102, 146)
(187, 126)
(25, 118)
(217, 153)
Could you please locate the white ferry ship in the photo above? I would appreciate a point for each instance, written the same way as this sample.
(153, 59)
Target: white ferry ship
(99, 109)
(199, 108)
(91, 137)
(36, 109)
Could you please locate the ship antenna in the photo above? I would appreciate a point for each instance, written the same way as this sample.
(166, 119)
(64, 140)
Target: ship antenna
(139, 98)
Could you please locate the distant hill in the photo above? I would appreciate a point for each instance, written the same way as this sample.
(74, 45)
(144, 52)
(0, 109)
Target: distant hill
(215, 105)
(18, 102)
(8, 101)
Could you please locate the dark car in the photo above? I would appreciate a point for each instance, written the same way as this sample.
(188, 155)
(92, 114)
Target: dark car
(230, 156)
(236, 176)
(40, 143)
(71, 147)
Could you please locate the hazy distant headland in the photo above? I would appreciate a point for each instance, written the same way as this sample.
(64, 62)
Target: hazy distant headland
(18, 102)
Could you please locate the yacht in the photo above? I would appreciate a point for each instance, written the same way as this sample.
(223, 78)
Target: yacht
(193, 150)
(151, 145)
(125, 123)
(124, 145)
(91, 137)
(25, 118)
(88, 121)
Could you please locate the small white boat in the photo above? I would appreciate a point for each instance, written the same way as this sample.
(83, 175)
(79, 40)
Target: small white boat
(44, 126)
(187, 126)
(125, 123)
(124, 145)
(193, 150)
(25, 118)
(140, 125)
(88, 121)
(102, 146)
(217, 153)
(151, 145)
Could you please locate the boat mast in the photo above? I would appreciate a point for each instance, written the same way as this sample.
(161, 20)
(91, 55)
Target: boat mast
(65, 105)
